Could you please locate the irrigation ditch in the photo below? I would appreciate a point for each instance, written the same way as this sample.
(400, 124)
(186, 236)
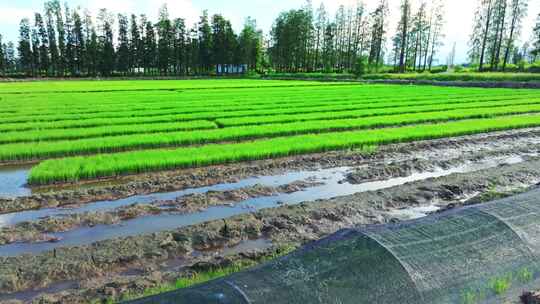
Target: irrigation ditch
(104, 240)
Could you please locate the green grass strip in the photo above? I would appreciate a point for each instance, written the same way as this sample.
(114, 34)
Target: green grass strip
(108, 165)
(43, 150)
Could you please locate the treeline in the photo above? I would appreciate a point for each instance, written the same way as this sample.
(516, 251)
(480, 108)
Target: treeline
(418, 36)
(65, 42)
(311, 41)
(497, 28)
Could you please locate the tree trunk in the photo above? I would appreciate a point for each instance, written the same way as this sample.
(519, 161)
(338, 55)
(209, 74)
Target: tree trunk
(510, 42)
(485, 37)
(404, 38)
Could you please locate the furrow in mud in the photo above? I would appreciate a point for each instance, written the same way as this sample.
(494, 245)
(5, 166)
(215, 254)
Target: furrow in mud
(59, 228)
(286, 224)
(43, 229)
(169, 181)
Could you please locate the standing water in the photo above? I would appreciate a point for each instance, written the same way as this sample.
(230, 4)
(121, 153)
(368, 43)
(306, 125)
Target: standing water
(333, 186)
(13, 181)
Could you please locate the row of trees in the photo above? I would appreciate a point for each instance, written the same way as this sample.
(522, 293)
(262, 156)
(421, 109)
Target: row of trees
(66, 42)
(310, 41)
(497, 28)
(70, 42)
(418, 36)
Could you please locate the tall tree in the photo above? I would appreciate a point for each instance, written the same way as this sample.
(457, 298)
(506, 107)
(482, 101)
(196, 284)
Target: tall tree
(487, 13)
(135, 44)
(70, 44)
(2, 57)
(320, 26)
(518, 10)
(536, 39)
(250, 44)
(289, 35)
(51, 37)
(437, 23)
(205, 43)
(44, 60)
(55, 9)
(378, 32)
(25, 47)
(179, 49)
(123, 54)
(497, 32)
(35, 51)
(224, 47)
(403, 33)
(79, 43)
(165, 42)
(106, 43)
(90, 57)
(10, 61)
(150, 53)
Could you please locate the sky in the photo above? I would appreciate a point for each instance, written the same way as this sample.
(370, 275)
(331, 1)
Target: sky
(459, 14)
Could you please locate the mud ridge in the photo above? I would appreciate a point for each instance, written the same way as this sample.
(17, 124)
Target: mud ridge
(287, 224)
(192, 178)
(38, 231)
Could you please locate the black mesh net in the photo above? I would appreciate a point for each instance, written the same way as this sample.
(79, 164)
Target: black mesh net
(470, 255)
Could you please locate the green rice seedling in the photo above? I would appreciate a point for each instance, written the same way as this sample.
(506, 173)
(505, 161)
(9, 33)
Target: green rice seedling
(107, 165)
(42, 150)
(501, 285)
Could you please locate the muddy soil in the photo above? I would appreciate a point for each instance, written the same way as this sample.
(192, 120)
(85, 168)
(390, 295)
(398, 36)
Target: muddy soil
(39, 231)
(284, 225)
(497, 165)
(122, 187)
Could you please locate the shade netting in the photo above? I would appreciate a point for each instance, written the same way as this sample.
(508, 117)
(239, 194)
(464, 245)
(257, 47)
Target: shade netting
(468, 255)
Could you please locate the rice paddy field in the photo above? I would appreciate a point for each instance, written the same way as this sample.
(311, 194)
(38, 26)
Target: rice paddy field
(86, 130)
(113, 190)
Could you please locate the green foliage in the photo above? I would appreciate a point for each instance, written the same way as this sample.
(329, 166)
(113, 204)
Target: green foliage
(361, 66)
(469, 297)
(525, 275)
(501, 285)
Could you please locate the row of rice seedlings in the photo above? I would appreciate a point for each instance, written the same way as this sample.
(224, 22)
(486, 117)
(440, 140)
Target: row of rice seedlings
(143, 85)
(151, 101)
(82, 133)
(43, 150)
(178, 108)
(67, 124)
(65, 134)
(107, 165)
(246, 104)
(246, 121)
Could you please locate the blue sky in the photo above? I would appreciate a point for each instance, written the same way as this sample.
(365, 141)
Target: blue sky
(457, 29)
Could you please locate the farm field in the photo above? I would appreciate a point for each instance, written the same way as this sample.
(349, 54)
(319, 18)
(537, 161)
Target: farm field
(115, 189)
(231, 121)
